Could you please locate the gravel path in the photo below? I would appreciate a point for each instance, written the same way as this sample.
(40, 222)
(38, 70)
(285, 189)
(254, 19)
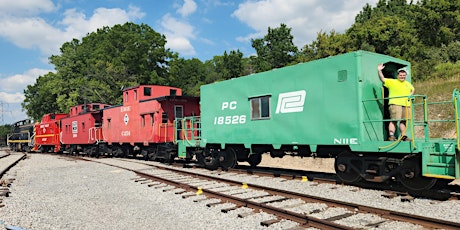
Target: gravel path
(54, 193)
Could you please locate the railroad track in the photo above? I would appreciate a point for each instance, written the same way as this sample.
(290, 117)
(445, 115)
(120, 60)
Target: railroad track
(440, 192)
(7, 161)
(279, 206)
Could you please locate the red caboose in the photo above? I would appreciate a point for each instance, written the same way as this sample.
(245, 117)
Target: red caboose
(47, 133)
(144, 124)
(82, 129)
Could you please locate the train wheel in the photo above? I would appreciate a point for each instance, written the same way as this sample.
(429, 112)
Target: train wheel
(117, 152)
(44, 149)
(210, 159)
(152, 155)
(27, 149)
(411, 176)
(94, 151)
(347, 167)
(227, 158)
(254, 159)
(170, 156)
(72, 150)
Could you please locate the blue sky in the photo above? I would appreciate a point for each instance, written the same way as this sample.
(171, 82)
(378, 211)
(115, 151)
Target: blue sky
(33, 30)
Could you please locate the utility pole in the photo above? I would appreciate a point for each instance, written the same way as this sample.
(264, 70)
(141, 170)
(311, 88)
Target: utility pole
(3, 122)
(2, 112)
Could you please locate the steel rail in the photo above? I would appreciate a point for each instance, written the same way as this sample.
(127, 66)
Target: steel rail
(300, 218)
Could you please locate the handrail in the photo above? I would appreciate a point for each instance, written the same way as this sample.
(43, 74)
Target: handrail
(193, 121)
(184, 134)
(424, 120)
(457, 123)
(402, 134)
(455, 97)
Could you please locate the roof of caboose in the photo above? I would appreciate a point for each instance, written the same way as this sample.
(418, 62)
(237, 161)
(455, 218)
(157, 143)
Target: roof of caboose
(164, 98)
(87, 108)
(159, 88)
(146, 92)
(53, 116)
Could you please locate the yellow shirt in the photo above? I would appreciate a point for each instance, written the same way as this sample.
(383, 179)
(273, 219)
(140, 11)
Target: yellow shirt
(398, 88)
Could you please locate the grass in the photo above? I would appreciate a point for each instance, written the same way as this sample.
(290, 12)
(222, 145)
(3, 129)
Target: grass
(437, 90)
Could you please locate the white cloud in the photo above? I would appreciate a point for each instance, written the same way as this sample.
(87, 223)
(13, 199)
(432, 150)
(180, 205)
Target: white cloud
(188, 8)
(178, 35)
(30, 33)
(306, 18)
(12, 97)
(21, 25)
(181, 45)
(35, 32)
(18, 82)
(25, 7)
(11, 112)
(11, 94)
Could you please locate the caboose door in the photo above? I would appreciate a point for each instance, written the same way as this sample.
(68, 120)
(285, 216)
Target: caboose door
(178, 111)
(178, 114)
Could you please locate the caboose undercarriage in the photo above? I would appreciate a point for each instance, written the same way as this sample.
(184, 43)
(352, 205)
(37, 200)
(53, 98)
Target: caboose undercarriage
(350, 167)
(163, 152)
(406, 169)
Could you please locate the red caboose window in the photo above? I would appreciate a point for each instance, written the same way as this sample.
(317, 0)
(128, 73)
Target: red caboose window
(147, 91)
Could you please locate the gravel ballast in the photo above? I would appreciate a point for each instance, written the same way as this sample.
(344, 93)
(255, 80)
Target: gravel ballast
(50, 192)
(53, 192)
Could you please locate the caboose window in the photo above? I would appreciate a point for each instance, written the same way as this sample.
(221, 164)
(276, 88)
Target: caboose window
(96, 107)
(126, 96)
(164, 117)
(179, 111)
(260, 108)
(147, 91)
(135, 94)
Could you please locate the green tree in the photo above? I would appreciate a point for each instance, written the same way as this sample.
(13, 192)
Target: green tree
(398, 40)
(233, 64)
(325, 45)
(4, 131)
(187, 74)
(39, 98)
(275, 50)
(97, 67)
(437, 21)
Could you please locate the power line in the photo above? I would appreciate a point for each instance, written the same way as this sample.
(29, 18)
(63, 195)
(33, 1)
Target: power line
(2, 112)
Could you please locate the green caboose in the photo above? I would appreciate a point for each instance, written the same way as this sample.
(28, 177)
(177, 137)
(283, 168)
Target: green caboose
(332, 107)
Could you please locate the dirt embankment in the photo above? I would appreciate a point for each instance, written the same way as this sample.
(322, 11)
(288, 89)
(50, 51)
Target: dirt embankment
(306, 163)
